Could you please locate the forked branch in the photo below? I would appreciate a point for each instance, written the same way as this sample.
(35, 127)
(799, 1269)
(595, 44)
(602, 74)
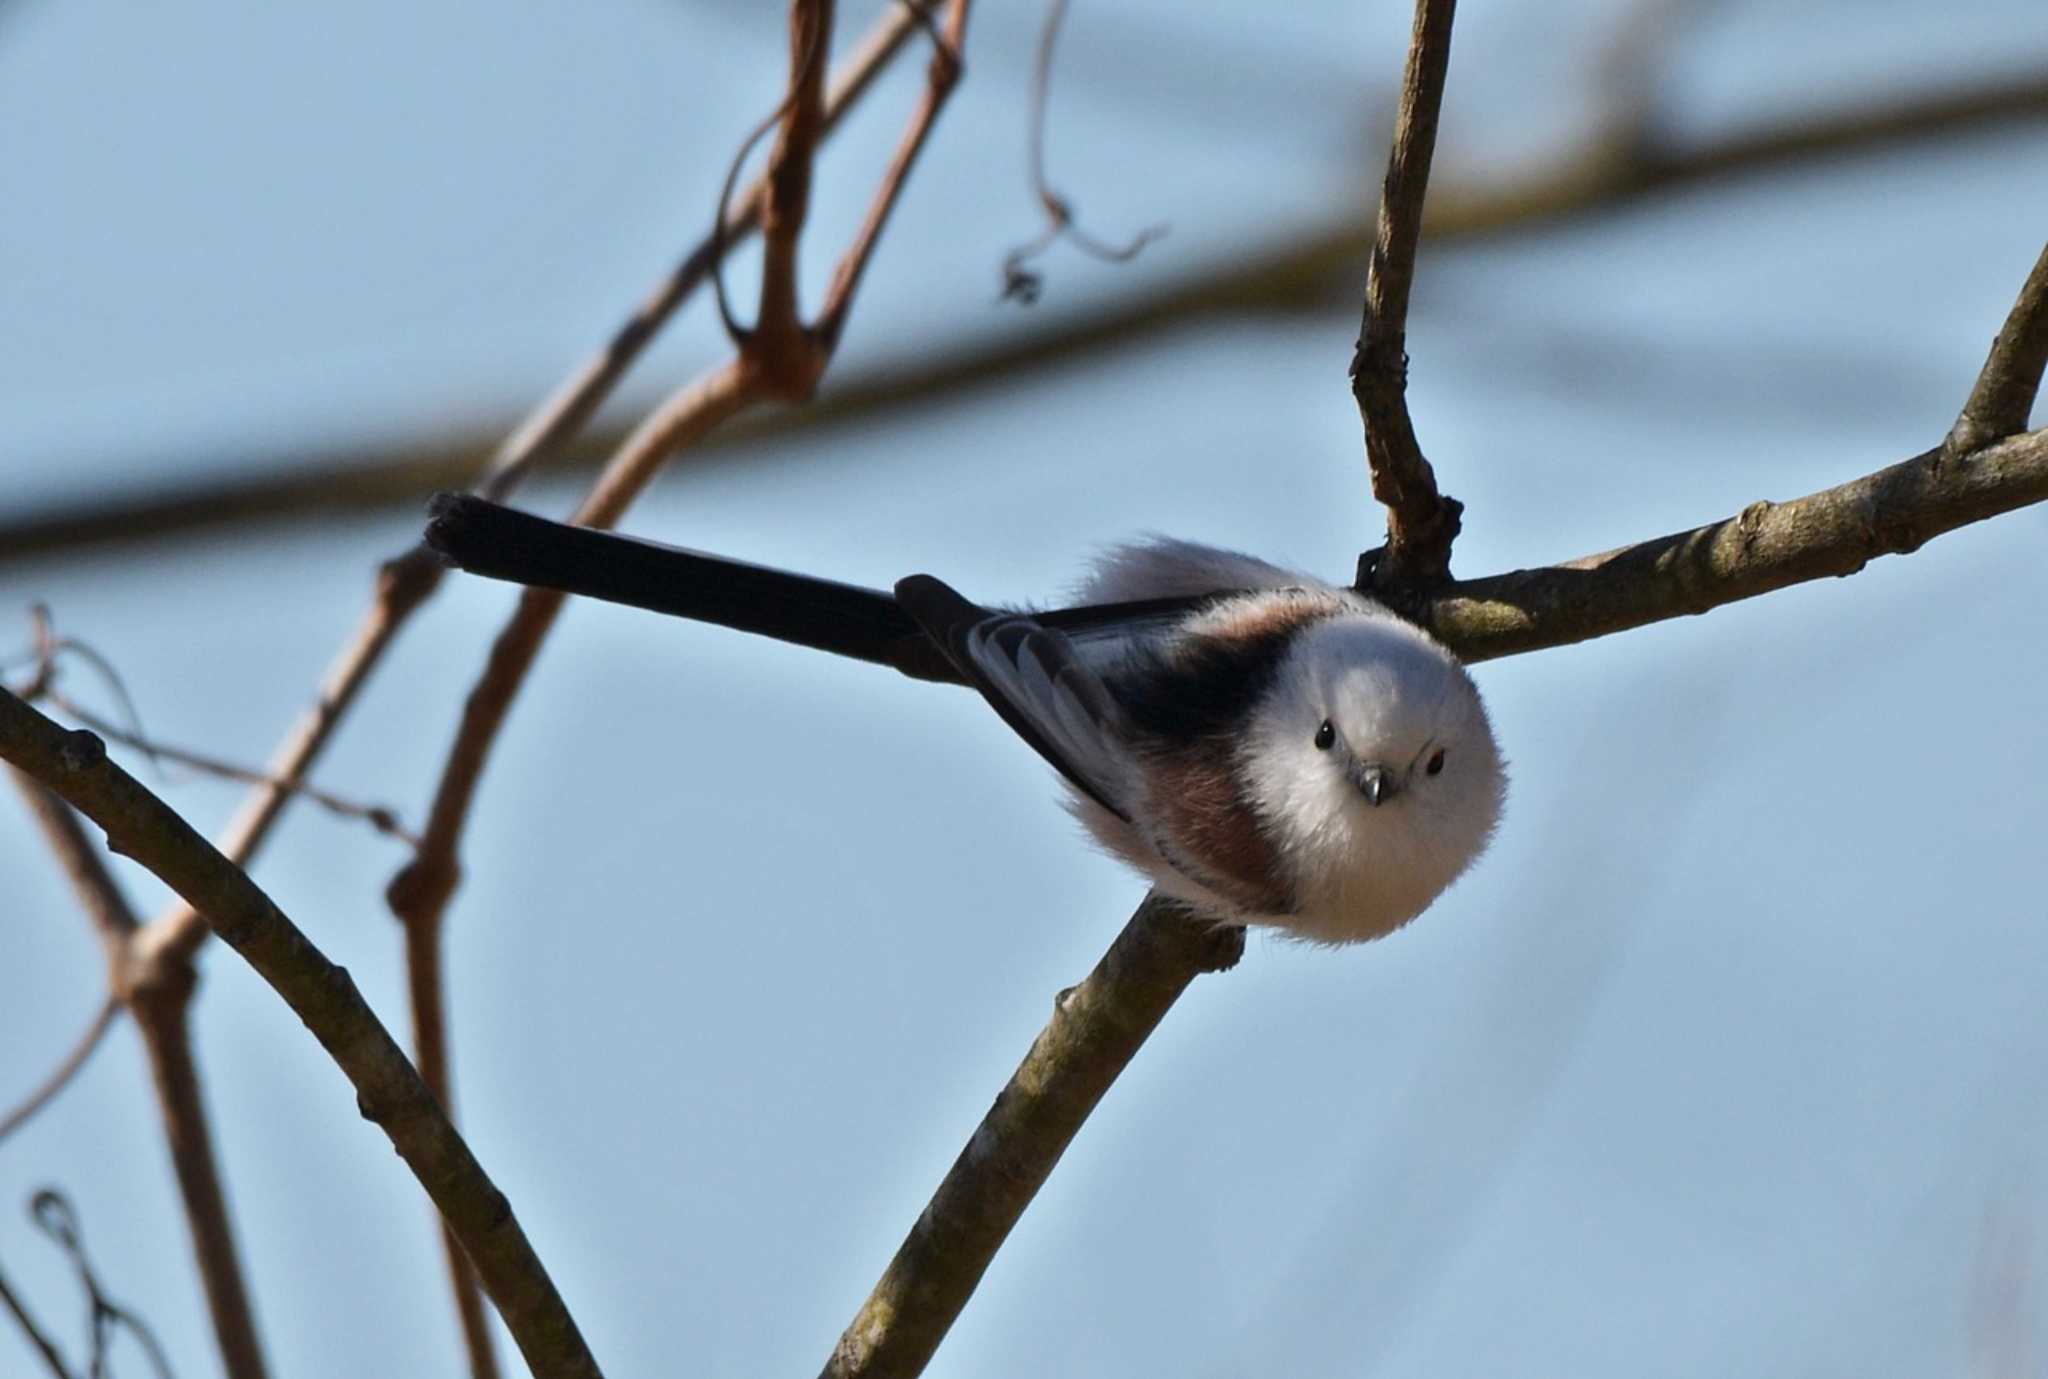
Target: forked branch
(2003, 399)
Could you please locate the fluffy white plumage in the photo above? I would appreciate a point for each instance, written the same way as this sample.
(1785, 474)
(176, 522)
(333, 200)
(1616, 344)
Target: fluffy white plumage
(1346, 863)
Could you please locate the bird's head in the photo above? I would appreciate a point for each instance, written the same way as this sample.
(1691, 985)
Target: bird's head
(1373, 768)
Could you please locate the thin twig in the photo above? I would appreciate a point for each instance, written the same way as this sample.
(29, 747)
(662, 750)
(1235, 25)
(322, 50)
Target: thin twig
(734, 330)
(1095, 1030)
(47, 1348)
(55, 1217)
(432, 1052)
(162, 1003)
(389, 1090)
(402, 586)
(566, 411)
(941, 76)
(1020, 283)
(60, 1076)
(2004, 396)
(113, 918)
(1421, 523)
(379, 817)
(779, 343)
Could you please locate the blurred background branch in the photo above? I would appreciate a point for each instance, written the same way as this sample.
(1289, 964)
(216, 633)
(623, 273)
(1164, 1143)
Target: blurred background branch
(1299, 269)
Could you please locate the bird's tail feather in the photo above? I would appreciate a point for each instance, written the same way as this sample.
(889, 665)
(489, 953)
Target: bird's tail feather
(486, 538)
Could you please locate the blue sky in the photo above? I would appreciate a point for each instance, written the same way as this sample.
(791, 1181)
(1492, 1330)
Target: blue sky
(1725, 1060)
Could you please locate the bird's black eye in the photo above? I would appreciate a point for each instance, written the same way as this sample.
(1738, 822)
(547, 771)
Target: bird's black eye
(1436, 763)
(1325, 735)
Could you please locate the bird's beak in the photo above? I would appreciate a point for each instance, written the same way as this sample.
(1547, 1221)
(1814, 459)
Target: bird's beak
(1375, 784)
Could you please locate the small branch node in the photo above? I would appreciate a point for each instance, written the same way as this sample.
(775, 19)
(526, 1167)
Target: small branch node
(82, 750)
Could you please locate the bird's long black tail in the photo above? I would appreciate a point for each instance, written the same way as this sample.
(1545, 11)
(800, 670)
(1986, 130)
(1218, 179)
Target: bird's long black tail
(486, 538)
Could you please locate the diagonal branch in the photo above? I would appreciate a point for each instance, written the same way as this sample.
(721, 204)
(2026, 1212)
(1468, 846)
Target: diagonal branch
(1421, 524)
(1096, 1028)
(2004, 396)
(389, 1090)
(941, 76)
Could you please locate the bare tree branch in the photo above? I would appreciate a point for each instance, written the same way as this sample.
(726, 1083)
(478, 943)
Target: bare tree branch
(571, 406)
(2004, 396)
(1421, 523)
(1299, 269)
(161, 1004)
(389, 1090)
(1096, 1029)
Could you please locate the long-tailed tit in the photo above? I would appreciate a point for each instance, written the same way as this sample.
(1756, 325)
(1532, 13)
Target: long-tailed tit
(1267, 747)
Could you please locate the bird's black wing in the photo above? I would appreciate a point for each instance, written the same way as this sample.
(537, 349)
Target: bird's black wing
(1032, 675)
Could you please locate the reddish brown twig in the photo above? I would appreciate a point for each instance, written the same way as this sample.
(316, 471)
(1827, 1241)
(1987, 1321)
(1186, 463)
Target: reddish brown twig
(942, 74)
(779, 358)
(156, 986)
(1421, 523)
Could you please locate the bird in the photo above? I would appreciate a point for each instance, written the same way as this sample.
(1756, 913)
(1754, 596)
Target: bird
(1267, 748)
